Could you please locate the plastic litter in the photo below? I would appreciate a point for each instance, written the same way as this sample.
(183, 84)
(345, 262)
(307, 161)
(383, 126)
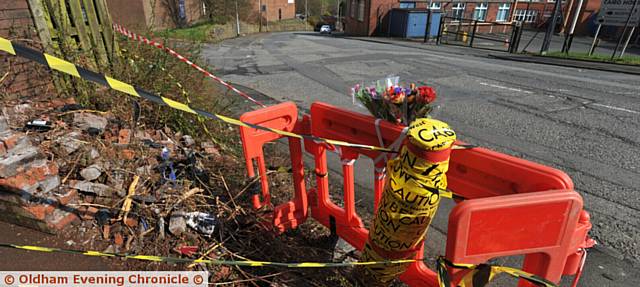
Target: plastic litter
(168, 172)
(204, 223)
(39, 125)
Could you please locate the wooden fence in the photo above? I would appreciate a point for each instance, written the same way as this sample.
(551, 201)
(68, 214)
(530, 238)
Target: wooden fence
(80, 31)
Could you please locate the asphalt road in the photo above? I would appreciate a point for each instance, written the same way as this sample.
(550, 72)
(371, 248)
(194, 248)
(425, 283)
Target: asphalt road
(583, 122)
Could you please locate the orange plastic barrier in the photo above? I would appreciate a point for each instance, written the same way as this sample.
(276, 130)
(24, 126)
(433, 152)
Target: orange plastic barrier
(283, 117)
(513, 206)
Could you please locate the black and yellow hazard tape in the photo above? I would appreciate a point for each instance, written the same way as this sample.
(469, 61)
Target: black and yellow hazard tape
(69, 68)
(482, 274)
(477, 278)
(249, 263)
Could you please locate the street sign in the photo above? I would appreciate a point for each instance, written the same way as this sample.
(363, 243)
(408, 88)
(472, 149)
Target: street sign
(616, 13)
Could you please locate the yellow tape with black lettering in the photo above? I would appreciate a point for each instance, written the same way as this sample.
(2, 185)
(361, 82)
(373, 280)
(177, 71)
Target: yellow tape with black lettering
(481, 274)
(410, 198)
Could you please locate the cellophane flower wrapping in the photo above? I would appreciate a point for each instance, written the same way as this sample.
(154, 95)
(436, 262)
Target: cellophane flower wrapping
(397, 103)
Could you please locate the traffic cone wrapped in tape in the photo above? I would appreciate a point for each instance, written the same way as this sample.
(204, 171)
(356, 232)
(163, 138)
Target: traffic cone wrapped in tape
(410, 198)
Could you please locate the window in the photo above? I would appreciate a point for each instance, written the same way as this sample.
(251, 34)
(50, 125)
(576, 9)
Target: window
(435, 6)
(360, 10)
(527, 16)
(352, 9)
(503, 12)
(458, 10)
(407, 5)
(480, 13)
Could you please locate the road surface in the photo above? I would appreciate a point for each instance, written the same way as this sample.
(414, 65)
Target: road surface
(584, 122)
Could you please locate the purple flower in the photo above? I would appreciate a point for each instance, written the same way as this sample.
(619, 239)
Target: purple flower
(373, 92)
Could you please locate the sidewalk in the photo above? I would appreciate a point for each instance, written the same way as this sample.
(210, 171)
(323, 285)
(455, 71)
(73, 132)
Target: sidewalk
(609, 67)
(580, 44)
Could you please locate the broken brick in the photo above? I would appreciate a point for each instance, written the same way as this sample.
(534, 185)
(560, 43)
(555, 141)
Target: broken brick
(11, 165)
(88, 213)
(53, 169)
(118, 240)
(39, 211)
(124, 136)
(65, 199)
(11, 140)
(131, 222)
(59, 219)
(56, 103)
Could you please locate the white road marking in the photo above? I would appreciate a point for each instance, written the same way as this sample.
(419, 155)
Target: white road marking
(616, 108)
(529, 92)
(506, 88)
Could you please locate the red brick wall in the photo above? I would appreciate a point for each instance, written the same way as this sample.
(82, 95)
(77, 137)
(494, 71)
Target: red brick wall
(287, 10)
(138, 15)
(23, 78)
(128, 13)
(545, 9)
(375, 16)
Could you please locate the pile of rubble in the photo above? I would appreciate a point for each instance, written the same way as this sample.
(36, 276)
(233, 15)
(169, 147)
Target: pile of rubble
(61, 165)
(119, 186)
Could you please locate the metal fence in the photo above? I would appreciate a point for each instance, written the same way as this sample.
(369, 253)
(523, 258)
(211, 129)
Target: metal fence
(479, 34)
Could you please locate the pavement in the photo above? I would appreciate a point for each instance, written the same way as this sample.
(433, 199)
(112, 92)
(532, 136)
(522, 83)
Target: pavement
(581, 64)
(19, 260)
(583, 122)
(531, 41)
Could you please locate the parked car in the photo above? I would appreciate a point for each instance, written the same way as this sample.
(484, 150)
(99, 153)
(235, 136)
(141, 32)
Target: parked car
(325, 29)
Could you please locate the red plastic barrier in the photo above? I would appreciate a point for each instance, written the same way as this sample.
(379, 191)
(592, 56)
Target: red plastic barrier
(514, 206)
(283, 117)
(539, 224)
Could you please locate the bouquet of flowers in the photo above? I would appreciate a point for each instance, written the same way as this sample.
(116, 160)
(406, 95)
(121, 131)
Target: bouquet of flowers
(387, 99)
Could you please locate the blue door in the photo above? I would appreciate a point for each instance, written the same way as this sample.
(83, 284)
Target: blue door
(435, 24)
(416, 25)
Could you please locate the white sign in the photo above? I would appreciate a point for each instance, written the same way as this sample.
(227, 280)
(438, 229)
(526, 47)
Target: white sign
(104, 278)
(616, 13)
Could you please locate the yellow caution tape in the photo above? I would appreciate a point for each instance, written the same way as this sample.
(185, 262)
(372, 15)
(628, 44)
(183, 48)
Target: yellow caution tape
(481, 274)
(205, 261)
(443, 277)
(411, 197)
(77, 71)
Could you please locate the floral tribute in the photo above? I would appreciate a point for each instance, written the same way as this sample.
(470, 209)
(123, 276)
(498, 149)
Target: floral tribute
(387, 99)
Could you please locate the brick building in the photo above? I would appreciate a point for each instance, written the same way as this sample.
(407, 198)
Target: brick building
(139, 15)
(275, 10)
(368, 17)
